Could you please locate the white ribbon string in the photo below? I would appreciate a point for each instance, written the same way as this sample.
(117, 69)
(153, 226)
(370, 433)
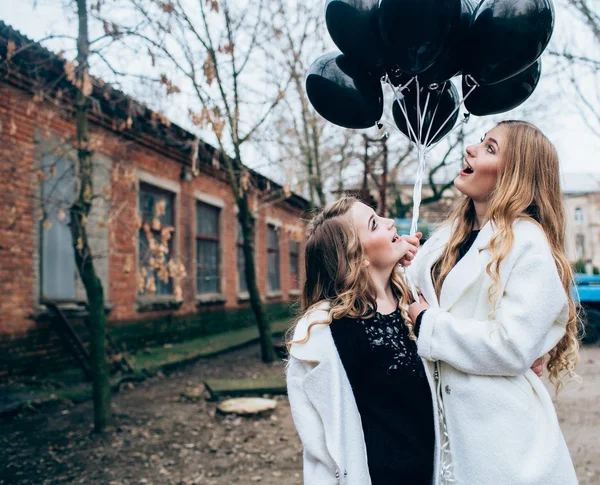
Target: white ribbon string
(423, 147)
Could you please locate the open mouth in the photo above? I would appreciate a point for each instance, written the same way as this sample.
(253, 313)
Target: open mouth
(395, 238)
(467, 170)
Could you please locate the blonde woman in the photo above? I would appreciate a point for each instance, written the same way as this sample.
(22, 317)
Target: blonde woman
(496, 296)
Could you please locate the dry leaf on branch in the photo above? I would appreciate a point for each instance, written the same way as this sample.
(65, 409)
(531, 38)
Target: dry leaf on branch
(11, 47)
(167, 7)
(171, 88)
(87, 87)
(209, 70)
(70, 72)
(214, 5)
(156, 224)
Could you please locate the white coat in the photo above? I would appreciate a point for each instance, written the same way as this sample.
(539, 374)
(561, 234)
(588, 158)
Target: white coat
(324, 409)
(501, 421)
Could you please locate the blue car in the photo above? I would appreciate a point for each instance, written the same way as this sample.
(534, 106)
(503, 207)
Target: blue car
(586, 291)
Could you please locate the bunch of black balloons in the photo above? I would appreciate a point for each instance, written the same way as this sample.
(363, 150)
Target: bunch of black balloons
(418, 46)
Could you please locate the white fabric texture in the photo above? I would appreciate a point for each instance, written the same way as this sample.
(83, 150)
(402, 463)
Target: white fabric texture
(501, 421)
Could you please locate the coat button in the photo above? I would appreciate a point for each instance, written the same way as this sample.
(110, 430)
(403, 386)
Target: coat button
(447, 389)
(337, 474)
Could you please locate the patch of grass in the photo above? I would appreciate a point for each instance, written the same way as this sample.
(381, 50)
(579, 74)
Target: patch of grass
(158, 357)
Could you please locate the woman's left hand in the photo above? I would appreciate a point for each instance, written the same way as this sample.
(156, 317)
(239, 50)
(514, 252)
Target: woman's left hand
(416, 308)
(410, 255)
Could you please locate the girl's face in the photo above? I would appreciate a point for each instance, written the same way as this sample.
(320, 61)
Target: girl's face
(478, 178)
(381, 245)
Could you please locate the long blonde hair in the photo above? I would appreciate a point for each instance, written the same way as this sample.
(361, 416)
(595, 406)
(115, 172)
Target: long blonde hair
(528, 187)
(335, 271)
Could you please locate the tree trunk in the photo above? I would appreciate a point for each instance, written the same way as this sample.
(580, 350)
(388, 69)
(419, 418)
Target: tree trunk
(79, 213)
(248, 223)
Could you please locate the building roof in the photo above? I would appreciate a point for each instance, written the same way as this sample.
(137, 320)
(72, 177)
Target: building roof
(33, 65)
(580, 183)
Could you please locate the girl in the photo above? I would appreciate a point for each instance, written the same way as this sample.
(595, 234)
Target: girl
(496, 288)
(359, 395)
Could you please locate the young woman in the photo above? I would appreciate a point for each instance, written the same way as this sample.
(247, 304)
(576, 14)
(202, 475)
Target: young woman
(358, 391)
(496, 288)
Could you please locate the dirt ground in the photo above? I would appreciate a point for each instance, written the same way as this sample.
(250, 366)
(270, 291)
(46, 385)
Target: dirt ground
(160, 437)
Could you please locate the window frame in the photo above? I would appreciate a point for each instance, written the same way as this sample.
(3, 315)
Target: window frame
(207, 237)
(152, 188)
(294, 277)
(271, 250)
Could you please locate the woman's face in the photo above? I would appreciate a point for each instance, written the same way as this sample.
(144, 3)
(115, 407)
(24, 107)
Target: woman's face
(381, 245)
(478, 178)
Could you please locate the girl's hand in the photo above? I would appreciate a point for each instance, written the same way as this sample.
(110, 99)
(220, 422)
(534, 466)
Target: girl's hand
(415, 242)
(416, 308)
(538, 367)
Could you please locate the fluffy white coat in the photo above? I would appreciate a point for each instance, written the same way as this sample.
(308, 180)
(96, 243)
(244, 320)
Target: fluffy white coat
(501, 421)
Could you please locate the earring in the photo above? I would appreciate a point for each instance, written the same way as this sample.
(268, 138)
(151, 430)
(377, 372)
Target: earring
(366, 262)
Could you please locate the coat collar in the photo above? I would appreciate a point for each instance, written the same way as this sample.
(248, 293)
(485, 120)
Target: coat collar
(463, 275)
(319, 344)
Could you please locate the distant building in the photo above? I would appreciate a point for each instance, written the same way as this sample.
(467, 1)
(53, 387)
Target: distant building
(582, 200)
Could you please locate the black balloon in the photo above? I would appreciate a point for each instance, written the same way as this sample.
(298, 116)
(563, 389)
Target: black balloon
(506, 37)
(344, 93)
(353, 26)
(415, 32)
(450, 61)
(505, 95)
(443, 104)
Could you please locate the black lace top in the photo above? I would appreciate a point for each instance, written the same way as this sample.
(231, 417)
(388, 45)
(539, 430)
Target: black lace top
(392, 395)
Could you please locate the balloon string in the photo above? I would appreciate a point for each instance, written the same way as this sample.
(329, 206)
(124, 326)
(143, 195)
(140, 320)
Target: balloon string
(422, 148)
(454, 111)
(433, 117)
(402, 104)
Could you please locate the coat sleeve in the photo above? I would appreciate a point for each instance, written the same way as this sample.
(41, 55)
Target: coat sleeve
(318, 466)
(529, 322)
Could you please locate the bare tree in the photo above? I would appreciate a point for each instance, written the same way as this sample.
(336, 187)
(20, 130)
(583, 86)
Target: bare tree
(222, 56)
(76, 185)
(69, 94)
(579, 54)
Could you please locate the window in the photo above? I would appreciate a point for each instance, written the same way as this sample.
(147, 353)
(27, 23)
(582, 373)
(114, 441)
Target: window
(294, 265)
(57, 265)
(273, 282)
(241, 261)
(207, 248)
(157, 216)
(580, 246)
(578, 215)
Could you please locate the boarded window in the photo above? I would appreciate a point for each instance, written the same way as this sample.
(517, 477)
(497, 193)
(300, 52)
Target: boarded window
(57, 265)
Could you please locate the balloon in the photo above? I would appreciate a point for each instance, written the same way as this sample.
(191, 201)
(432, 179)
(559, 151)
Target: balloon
(443, 103)
(506, 37)
(414, 32)
(353, 27)
(450, 61)
(505, 95)
(344, 93)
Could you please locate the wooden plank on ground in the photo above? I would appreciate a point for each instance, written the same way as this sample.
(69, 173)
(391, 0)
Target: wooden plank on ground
(245, 387)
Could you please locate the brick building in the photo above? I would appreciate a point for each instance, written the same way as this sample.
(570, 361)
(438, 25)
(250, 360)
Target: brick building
(140, 159)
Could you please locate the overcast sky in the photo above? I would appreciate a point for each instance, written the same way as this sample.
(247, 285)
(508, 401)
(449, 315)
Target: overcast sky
(578, 146)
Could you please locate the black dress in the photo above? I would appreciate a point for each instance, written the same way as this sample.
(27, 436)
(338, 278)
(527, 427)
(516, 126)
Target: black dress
(392, 395)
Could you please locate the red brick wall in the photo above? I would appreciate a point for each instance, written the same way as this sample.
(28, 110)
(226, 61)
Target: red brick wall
(20, 121)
